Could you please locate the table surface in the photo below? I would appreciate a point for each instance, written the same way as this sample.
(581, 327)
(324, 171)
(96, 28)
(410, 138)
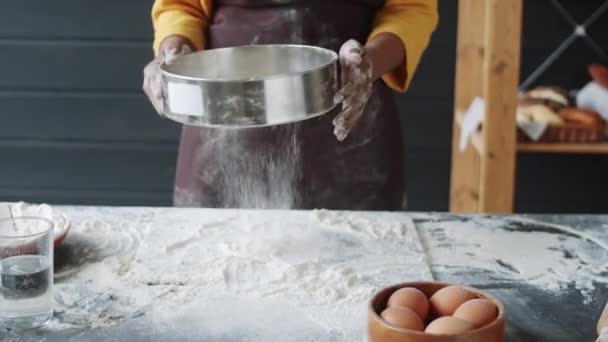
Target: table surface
(421, 246)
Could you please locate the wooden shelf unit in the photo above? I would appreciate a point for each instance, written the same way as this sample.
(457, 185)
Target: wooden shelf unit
(488, 65)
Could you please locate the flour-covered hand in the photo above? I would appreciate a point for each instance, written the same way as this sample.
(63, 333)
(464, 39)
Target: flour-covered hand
(171, 48)
(356, 81)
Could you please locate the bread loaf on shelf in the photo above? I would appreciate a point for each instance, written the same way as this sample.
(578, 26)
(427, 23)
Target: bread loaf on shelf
(581, 117)
(554, 97)
(536, 110)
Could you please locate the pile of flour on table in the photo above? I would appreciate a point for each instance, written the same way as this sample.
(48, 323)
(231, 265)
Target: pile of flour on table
(316, 271)
(23, 209)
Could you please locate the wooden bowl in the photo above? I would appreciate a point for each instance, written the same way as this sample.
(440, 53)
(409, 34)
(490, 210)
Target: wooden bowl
(380, 331)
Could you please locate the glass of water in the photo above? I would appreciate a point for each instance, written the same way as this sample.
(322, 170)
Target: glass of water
(26, 272)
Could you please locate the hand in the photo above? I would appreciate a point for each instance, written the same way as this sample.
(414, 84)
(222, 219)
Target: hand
(356, 80)
(171, 48)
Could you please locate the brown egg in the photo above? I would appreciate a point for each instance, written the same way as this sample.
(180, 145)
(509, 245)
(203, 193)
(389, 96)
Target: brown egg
(480, 312)
(449, 325)
(402, 318)
(445, 301)
(411, 298)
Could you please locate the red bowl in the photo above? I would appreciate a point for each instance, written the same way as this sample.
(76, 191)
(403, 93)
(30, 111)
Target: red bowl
(62, 227)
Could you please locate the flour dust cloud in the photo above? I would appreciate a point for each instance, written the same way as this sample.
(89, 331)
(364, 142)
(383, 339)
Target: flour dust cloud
(259, 175)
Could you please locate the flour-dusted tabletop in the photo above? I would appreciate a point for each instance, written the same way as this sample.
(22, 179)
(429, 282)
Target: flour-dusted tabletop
(167, 274)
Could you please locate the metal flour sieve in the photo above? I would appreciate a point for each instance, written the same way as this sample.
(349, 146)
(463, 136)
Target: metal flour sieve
(248, 86)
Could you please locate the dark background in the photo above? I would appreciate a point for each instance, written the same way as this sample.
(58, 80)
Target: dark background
(76, 128)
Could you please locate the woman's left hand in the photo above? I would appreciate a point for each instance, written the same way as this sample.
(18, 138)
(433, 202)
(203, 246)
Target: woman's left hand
(356, 81)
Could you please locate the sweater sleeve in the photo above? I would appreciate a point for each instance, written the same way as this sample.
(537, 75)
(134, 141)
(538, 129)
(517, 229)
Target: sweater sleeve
(187, 18)
(413, 21)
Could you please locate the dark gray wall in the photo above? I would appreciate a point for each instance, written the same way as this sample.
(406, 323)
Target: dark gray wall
(76, 129)
(561, 183)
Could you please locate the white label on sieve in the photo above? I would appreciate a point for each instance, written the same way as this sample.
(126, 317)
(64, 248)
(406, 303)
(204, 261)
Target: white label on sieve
(185, 99)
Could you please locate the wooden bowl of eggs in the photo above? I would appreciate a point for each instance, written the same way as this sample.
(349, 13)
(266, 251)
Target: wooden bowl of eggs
(434, 312)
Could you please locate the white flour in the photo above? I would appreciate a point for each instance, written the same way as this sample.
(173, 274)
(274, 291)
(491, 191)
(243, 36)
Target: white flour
(25, 209)
(552, 259)
(238, 170)
(316, 270)
(22, 209)
(261, 176)
(218, 275)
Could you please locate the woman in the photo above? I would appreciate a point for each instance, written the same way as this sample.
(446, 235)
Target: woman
(317, 169)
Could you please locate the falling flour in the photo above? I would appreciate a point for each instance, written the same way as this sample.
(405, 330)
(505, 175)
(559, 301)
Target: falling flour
(259, 177)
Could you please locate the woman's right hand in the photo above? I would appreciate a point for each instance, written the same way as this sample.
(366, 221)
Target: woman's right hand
(170, 48)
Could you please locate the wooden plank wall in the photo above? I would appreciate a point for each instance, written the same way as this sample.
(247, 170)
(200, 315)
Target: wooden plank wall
(77, 129)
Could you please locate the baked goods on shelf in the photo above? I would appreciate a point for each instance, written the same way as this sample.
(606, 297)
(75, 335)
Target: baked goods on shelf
(554, 97)
(580, 116)
(537, 112)
(565, 123)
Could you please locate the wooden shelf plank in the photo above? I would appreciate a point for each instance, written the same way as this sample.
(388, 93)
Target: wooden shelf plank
(601, 148)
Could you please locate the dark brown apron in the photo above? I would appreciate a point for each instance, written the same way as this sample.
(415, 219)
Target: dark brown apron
(259, 167)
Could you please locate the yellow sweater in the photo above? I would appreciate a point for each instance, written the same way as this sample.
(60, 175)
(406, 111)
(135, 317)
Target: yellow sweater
(412, 21)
